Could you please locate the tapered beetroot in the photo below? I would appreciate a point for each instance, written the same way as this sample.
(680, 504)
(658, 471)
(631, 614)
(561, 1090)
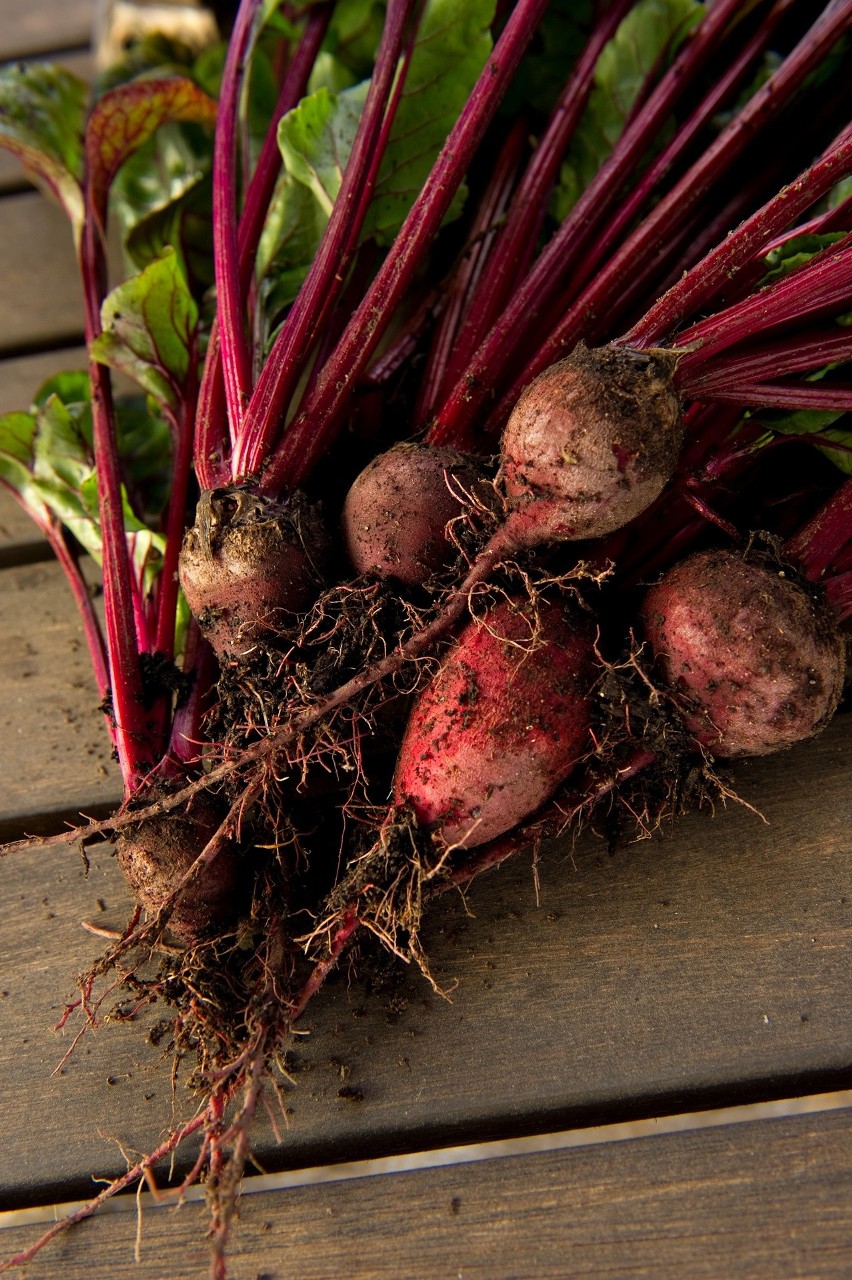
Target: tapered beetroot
(501, 725)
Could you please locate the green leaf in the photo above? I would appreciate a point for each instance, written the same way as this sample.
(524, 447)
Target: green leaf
(126, 117)
(42, 117)
(814, 422)
(557, 43)
(62, 464)
(645, 41)
(148, 325)
(316, 138)
(162, 196)
(71, 388)
(146, 547)
(453, 45)
(17, 431)
(294, 225)
(795, 252)
(838, 193)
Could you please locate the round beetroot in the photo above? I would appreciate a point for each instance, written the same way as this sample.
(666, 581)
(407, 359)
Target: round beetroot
(590, 444)
(249, 562)
(756, 659)
(396, 514)
(155, 854)
(500, 726)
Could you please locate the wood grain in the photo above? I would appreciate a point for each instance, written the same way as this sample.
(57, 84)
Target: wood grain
(30, 29)
(40, 293)
(54, 752)
(770, 1200)
(713, 966)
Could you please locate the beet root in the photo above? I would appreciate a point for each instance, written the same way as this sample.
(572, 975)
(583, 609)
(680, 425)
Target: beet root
(248, 564)
(155, 854)
(501, 725)
(756, 660)
(590, 444)
(396, 513)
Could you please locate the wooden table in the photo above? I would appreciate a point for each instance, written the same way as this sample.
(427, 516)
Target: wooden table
(642, 1073)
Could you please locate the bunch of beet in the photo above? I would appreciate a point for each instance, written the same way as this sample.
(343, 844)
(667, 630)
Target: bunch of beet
(497, 525)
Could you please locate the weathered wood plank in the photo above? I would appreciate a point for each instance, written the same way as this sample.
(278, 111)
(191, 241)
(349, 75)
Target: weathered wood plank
(40, 300)
(767, 1199)
(54, 753)
(30, 29)
(710, 967)
(20, 540)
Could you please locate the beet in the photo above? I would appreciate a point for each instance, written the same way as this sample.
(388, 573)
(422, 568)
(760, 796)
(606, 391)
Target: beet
(756, 659)
(396, 513)
(156, 853)
(501, 725)
(248, 564)
(590, 444)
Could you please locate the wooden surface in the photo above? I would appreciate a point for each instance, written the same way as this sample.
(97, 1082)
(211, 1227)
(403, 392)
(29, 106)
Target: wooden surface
(702, 970)
(764, 1201)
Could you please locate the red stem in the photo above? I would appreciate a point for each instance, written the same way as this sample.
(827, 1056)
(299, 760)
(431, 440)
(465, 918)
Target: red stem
(516, 241)
(714, 271)
(212, 451)
(817, 544)
(460, 290)
(794, 354)
(327, 273)
(720, 92)
(819, 288)
(234, 343)
(322, 413)
(121, 592)
(176, 517)
(483, 373)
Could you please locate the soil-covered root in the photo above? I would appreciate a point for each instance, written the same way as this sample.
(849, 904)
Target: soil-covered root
(755, 658)
(156, 853)
(590, 444)
(249, 564)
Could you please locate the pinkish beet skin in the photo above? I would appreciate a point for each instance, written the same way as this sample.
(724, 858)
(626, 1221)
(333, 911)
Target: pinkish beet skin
(756, 660)
(500, 726)
(590, 444)
(396, 514)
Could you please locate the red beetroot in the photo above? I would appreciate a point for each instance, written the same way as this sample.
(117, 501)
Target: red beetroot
(396, 514)
(756, 659)
(590, 444)
(248, 564)
(501, 725)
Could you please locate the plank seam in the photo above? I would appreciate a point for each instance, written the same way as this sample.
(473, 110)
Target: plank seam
(474, 1153)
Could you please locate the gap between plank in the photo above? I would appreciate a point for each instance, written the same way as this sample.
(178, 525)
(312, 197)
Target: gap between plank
(471, 1153)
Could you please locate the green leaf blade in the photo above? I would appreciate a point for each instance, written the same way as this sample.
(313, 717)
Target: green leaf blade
(42, 119)
(149, 324)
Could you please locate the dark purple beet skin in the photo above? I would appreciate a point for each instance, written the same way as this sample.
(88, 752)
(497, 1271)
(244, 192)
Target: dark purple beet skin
(500, 726)
(755, 659)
